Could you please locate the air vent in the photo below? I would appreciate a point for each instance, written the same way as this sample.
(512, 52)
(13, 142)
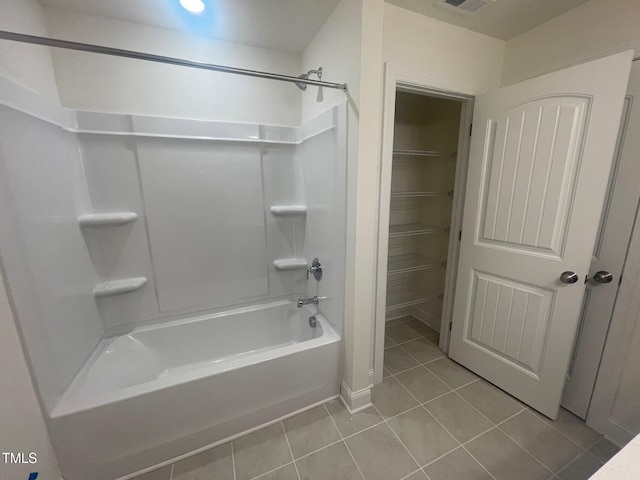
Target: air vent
(463, 7)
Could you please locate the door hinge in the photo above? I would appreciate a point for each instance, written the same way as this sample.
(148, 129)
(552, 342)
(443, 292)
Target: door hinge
(470, 128)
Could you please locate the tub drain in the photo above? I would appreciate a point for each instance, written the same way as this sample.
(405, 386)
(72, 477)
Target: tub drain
(312, 321)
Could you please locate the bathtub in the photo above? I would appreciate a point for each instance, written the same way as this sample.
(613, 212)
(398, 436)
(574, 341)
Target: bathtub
(165, 390)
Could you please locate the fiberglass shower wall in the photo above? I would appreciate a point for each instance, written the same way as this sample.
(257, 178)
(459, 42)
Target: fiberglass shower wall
(207, 236)
(112, 220)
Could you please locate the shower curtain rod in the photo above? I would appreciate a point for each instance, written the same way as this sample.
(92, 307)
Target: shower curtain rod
(85, 47)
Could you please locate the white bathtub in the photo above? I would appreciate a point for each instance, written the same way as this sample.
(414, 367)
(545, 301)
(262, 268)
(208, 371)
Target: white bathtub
(162, 391)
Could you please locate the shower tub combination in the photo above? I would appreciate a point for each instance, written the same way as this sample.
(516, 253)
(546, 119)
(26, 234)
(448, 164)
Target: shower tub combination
(121, 395)
(165, 390)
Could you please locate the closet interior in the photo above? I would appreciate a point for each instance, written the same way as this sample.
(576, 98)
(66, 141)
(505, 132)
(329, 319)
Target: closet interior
(425, 144)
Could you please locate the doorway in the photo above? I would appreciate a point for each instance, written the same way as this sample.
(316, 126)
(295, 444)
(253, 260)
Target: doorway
(421, 211)
(534, 132)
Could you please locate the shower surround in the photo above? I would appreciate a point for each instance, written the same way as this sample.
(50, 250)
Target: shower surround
(154, 265)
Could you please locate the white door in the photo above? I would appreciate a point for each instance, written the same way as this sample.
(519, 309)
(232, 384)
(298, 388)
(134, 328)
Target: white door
(609, 255)
(538, 168)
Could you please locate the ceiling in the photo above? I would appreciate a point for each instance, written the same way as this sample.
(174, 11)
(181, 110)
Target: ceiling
(503, 19)
(286, 25)
(289, 25)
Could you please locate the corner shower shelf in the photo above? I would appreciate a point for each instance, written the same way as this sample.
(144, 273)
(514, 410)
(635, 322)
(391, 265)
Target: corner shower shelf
(407, 299)
(409, 263)
(423, 153)
(288, 210)
(409, 229)
(419, 194)
(115, 218)
(116, 287)
(290, 264)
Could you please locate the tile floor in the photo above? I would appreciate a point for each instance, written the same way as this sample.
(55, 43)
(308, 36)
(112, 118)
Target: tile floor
(431, 419)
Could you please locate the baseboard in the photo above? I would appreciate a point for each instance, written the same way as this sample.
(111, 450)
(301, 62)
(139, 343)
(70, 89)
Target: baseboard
(618, 433)
(355, 401)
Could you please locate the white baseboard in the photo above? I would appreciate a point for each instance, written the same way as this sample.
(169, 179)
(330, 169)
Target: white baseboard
(355, 401)
(617, 433)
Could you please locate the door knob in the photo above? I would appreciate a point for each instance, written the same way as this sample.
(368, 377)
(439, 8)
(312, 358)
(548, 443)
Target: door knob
(602, 277)
(569, 277)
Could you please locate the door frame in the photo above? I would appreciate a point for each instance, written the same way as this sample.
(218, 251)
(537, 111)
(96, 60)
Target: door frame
(625, 316)
(443, 86)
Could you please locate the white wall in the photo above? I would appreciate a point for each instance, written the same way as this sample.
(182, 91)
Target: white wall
(429, 45)
(47, 266)
(367, 34)
(23, 428)
(27, 65)
(102, 83)
(435, 50)
(625, 409)
(594, 29)
(344, 50)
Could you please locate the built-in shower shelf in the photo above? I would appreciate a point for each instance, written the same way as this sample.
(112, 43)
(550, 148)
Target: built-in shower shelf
(115, 218)
(409, 229)
(289, 210)
(117, 287)
(290, 264)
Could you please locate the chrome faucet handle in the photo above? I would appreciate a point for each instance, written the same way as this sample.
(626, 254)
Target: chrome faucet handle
(316, 269)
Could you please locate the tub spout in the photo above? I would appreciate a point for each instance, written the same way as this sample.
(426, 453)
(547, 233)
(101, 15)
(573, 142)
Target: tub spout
(307, 301)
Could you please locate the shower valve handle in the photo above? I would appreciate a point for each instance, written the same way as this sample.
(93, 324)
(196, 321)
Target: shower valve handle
(316, 269)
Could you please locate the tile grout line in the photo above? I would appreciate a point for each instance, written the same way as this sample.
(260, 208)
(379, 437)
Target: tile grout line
(345, 443)
(547, 422)
(396, 435)
(318, 449)
(415, 339)
(290, 451)
(477, 410)
(462, 444)
(233, 461)
(271, 471)
(453, 436)
(584, 452)
(593, 456)
(430, 400)
(171, 473)
(444, 454)
(505, 395)
(445, 428)
(531, 453)
(412, 473)
(435, 375)
(570, 463)
(584, 449)
(411, 356)
(494, 425)
(478, 461)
